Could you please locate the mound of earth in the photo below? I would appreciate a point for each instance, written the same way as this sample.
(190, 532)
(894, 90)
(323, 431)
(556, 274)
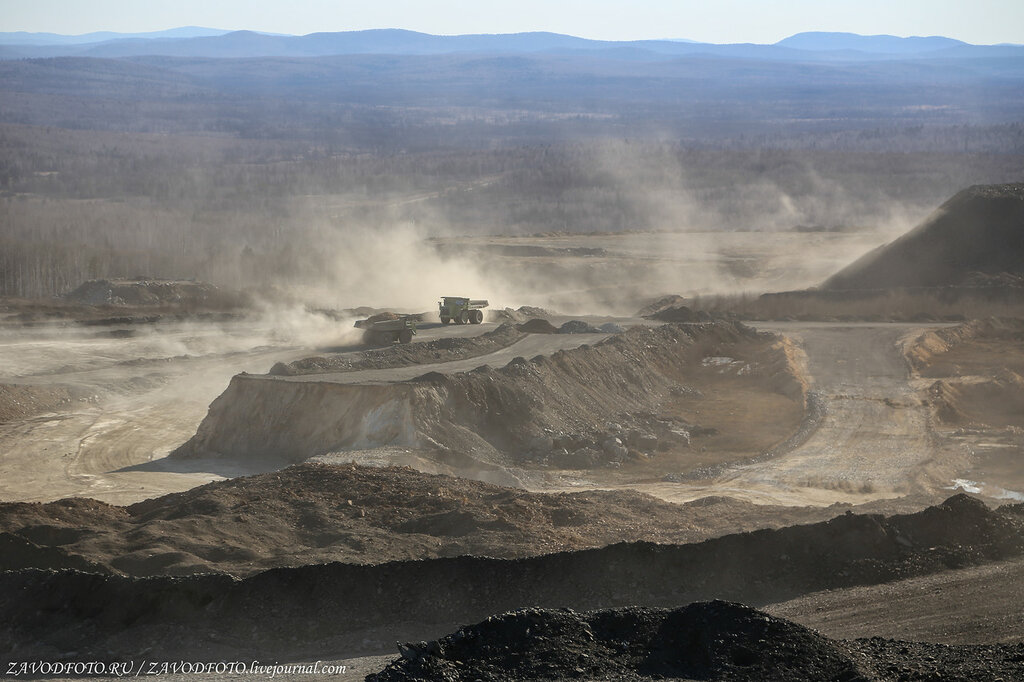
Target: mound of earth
(578, 327)
(979, 365)
(703, 641)
(403, 355)
(153, 292)
(714, 640)
(619, 400)
(680, 314)
(317, 513)
(663, 303)
(537, 326)
(976, 347)
(521, 314)
(319, 610)
(979, 230)
(997, 402)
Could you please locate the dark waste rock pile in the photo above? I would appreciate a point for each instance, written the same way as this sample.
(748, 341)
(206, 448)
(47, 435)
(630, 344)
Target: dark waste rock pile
(714, 640)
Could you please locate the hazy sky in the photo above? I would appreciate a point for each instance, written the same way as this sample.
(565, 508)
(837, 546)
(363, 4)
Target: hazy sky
(718, 21)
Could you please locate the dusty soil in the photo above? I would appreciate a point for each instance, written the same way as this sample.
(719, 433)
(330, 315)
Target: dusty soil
(342, 609)
(19, 402)
(714, 640)
(968, 605)
(638, 404)
(316, 513)
(971, 378)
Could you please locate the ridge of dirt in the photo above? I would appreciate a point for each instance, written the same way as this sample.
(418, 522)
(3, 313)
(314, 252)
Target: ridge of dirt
(971, 377)
(404, 355)
(317, 513)
(714, 640)
(623, 401)
(325, 609)
(924, 352)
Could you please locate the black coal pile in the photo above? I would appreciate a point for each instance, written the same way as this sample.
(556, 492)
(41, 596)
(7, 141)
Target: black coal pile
(714, 640)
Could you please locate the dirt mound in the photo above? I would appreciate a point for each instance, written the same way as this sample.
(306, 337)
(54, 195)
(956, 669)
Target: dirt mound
(656, 306)
(318, 610)
(980, 230)
(316, 513)
(980, 364)
(985, 343)
(606, 398)
(705, 641)
(383, 317)
(680, 314)
(997, 402)
(403, 355)
(153, 292)
(521, 314)
(537, 326)
(578, 327)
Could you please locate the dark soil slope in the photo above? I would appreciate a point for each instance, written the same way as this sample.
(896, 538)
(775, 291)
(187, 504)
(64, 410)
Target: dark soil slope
(977, 237)
(703, 641)
(328, 609)
(317, 513)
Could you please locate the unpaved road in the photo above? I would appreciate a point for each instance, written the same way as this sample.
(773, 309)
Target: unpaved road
(873, 443)
(527, 347)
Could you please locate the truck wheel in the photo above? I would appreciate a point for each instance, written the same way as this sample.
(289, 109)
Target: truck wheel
(463, 317)
(445, 320)
(476, 316)
(370, 337)
(387, 338)
(405, 336)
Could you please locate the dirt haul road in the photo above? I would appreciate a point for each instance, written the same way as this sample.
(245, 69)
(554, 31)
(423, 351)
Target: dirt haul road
(872, 443)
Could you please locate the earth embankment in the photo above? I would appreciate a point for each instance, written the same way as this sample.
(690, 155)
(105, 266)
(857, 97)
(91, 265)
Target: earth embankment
(585, 406)
(322, 609)
(318, 513)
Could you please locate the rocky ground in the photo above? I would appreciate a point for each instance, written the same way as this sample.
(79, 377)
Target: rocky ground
(714, 640)
(317, 513)
(332, 609)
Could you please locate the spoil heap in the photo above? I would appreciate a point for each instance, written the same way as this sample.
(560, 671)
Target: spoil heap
(975, 238)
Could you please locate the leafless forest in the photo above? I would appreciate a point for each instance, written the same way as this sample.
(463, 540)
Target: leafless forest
(253, 173)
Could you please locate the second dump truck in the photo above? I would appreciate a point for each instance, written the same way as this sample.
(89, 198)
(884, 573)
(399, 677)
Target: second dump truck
(386, 332)
(461, 310)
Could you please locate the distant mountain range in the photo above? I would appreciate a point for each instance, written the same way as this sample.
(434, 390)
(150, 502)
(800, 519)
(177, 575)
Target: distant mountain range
(215, 43)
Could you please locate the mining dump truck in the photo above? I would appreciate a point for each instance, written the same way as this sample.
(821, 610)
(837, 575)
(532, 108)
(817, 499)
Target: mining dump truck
(386, 332)
(461, 310)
